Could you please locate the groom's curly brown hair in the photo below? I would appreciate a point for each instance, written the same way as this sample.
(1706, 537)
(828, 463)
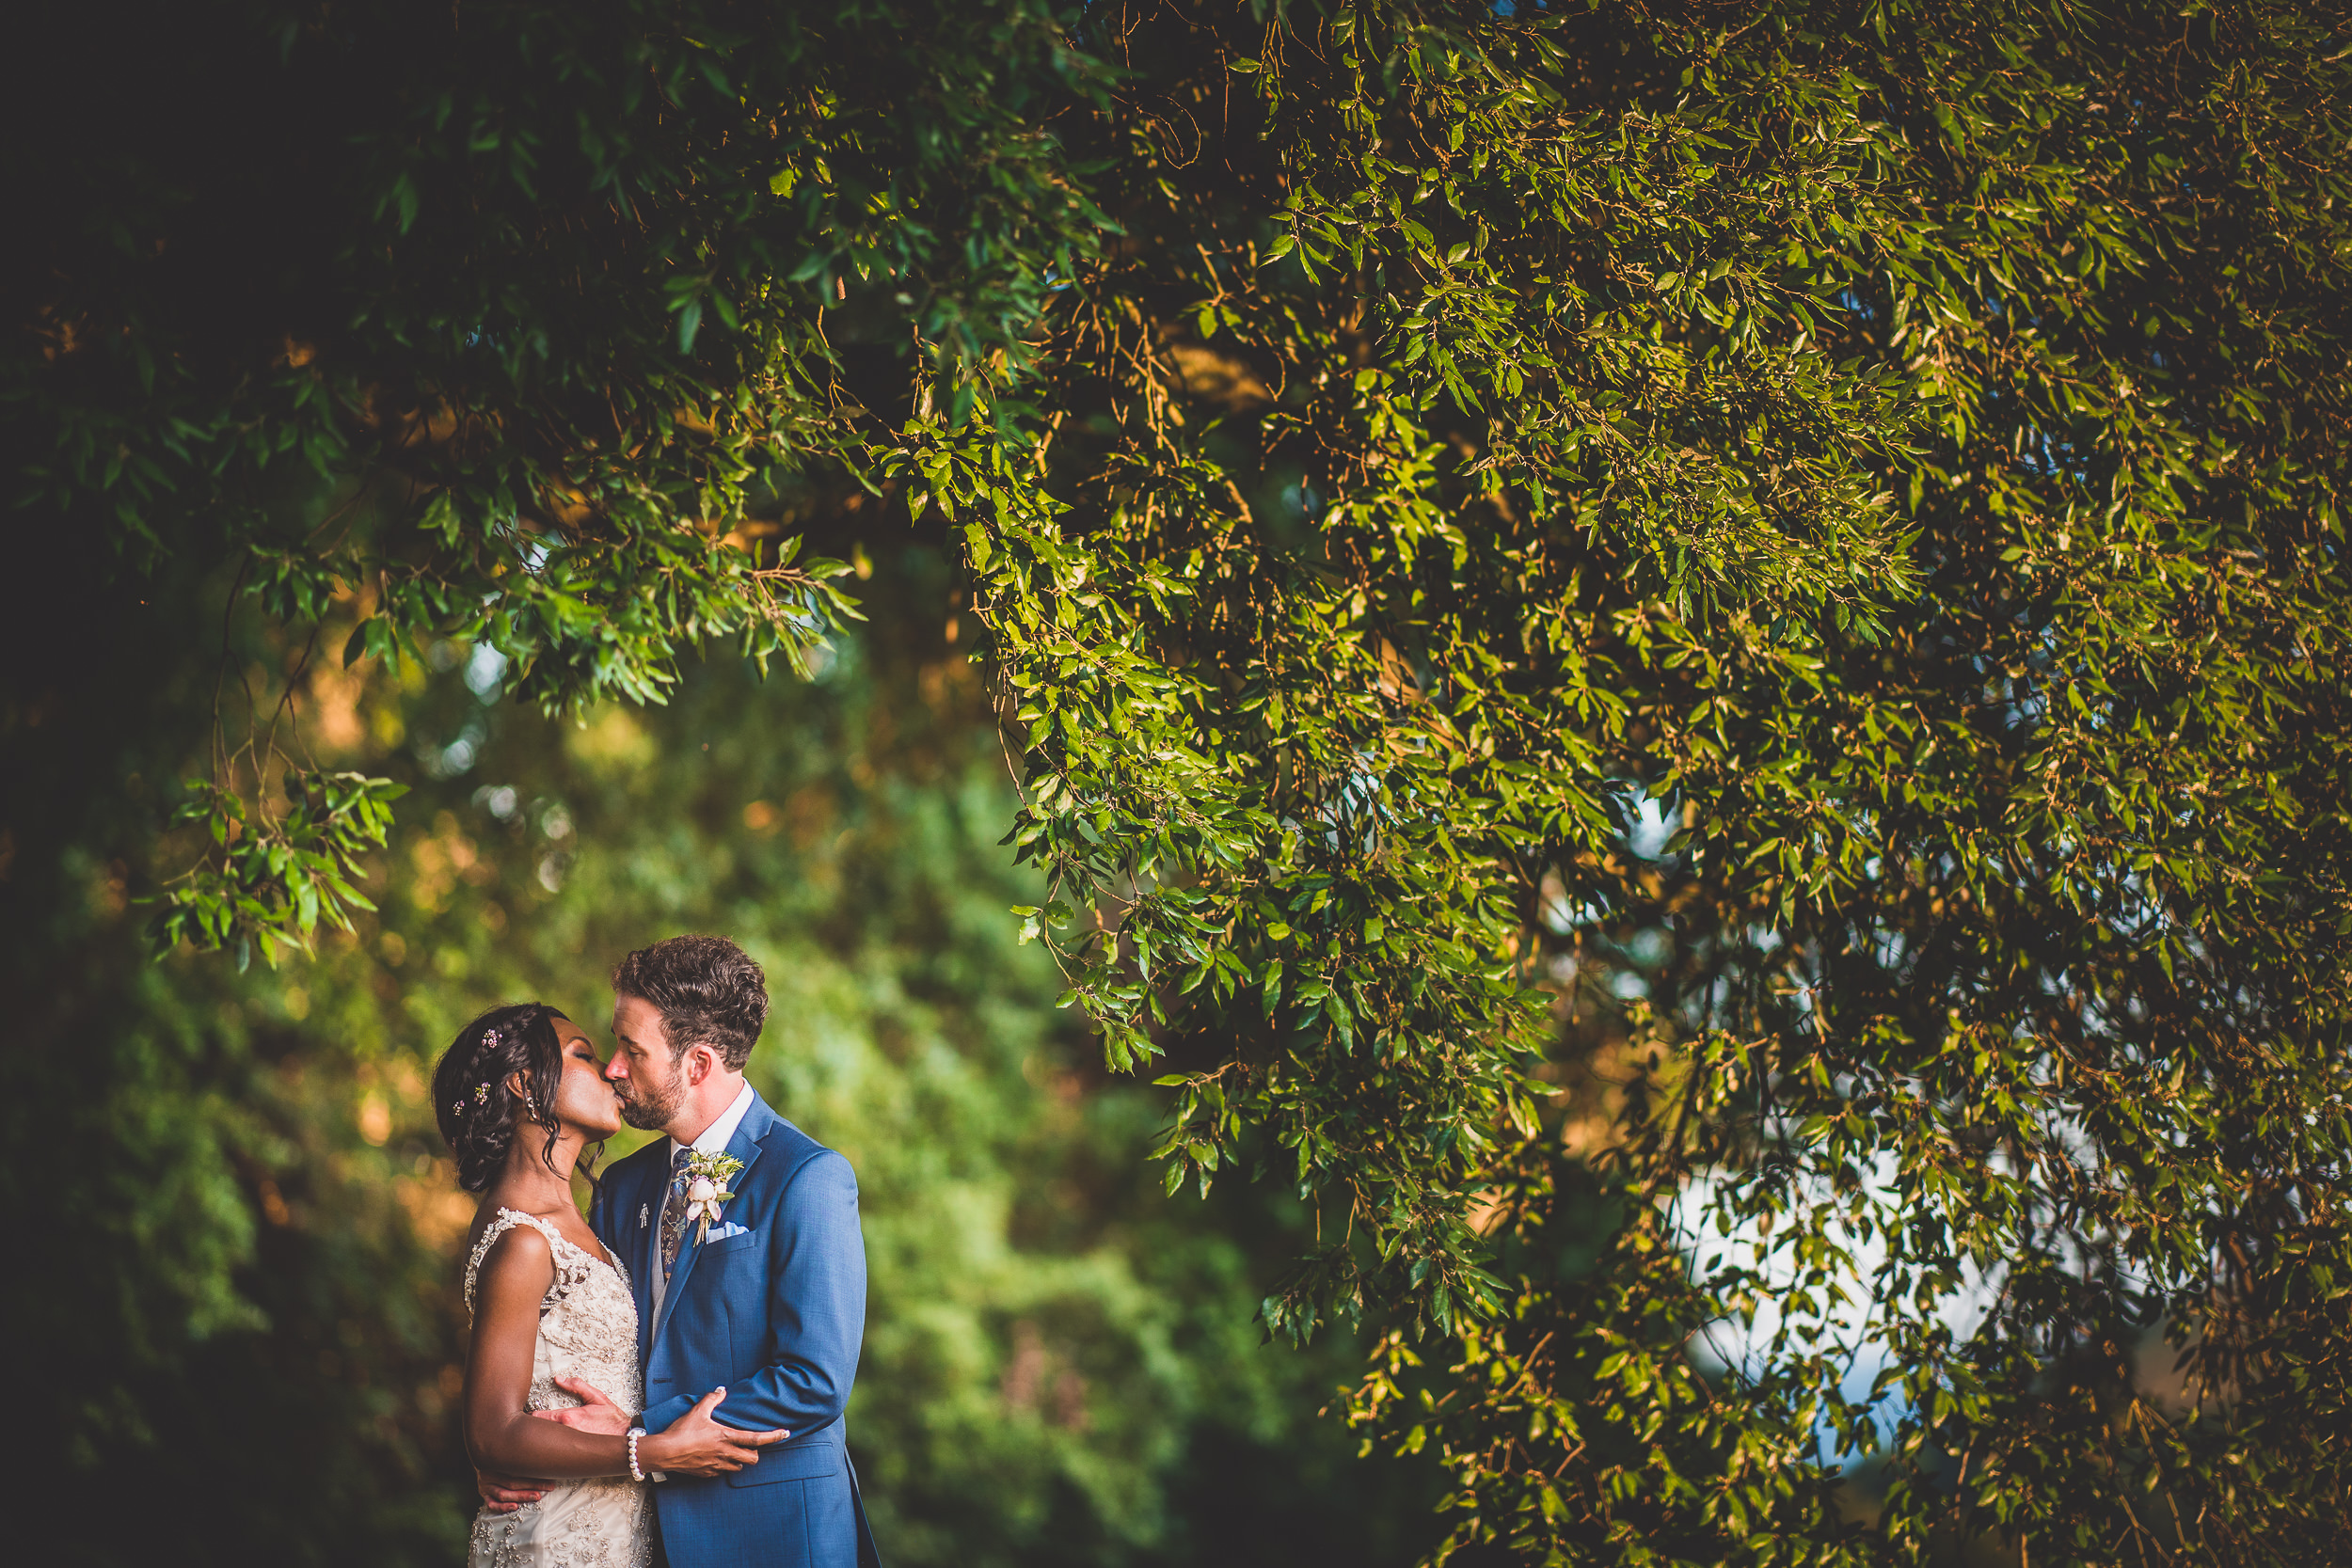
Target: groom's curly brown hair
(708, 990)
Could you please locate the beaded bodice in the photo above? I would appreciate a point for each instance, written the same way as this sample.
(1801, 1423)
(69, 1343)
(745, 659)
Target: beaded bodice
(587, 1323)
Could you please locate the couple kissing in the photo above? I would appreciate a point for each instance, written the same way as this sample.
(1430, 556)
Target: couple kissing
(663, 1381)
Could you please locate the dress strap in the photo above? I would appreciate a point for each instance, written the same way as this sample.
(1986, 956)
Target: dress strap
(503, 1221)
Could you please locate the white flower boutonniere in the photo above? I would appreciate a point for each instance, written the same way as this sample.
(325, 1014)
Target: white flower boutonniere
(706, 1176)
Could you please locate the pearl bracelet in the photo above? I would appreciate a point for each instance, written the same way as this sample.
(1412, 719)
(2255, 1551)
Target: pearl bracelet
(634, 1433)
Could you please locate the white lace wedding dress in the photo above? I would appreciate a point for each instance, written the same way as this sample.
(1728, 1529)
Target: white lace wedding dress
(588, 1330)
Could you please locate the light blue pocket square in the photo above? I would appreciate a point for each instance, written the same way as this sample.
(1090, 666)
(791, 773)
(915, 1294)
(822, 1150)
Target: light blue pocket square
(720, 1232)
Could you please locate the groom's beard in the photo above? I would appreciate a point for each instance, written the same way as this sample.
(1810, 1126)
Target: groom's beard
(652, 1110)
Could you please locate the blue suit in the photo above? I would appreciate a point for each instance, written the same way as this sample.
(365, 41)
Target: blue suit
(774, 1308)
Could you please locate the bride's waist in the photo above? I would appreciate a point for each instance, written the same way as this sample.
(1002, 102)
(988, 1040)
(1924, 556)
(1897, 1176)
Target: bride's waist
(620, 1387)
(564, 1506)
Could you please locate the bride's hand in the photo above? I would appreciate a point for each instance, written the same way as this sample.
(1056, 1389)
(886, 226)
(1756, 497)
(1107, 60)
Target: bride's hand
(694, 1445)
(596, 1412)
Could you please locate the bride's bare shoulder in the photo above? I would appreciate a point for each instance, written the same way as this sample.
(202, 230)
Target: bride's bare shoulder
(513, 1256)
(515, 1261)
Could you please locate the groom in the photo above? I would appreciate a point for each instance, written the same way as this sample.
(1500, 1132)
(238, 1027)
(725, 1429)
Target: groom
(766, 1300)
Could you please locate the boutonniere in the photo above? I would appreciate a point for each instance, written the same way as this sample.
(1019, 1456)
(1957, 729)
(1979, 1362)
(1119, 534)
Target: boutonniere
(706, 1176)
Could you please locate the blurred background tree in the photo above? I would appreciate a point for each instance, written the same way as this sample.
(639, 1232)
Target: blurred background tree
(248, 1341)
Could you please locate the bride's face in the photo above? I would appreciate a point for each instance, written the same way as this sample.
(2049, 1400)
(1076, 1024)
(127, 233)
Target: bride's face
(582, 1098)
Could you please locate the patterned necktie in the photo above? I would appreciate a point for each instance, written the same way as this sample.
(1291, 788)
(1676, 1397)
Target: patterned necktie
(673, 1211)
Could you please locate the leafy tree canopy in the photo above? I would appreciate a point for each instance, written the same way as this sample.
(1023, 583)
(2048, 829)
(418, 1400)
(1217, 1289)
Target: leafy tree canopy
(1401, 454)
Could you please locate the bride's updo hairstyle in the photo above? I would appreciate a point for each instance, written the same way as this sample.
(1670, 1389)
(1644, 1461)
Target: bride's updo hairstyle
(479, 1112)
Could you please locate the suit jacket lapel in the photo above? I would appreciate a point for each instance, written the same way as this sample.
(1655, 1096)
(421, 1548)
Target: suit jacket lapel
(744, 1146)
(642, 1260)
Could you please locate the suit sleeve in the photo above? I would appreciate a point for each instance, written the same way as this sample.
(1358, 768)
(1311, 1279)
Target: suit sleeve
(816, 1310)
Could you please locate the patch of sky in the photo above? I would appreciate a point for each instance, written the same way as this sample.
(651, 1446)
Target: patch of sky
(1303, 500)
(1852, 1314)
(458, 756)
(1889, 946)
(1647, 949)
(1652, 826)
(1354, 810)
(532, 550)
(2041, 452)
(834, 660)
(485, 672)
(1562, 914)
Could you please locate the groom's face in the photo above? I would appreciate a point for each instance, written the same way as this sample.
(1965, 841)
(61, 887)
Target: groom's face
(649, 1080)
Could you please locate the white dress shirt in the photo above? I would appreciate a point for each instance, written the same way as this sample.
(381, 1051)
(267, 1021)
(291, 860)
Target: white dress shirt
(714, 1140)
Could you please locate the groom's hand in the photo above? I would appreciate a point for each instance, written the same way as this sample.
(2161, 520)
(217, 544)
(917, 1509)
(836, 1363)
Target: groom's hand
(596, 1412)
(506, 1494)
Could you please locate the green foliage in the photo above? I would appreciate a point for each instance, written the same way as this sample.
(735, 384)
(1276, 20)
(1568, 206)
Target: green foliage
(1910, 468)
(550, 322)
(1400, 455)
(281, 872)
(1059, 1365)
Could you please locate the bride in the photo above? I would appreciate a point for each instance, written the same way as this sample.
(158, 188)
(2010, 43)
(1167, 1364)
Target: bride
(519, 1096)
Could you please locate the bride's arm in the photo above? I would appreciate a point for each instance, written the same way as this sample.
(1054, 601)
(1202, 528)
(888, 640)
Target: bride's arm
(500, 1435)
